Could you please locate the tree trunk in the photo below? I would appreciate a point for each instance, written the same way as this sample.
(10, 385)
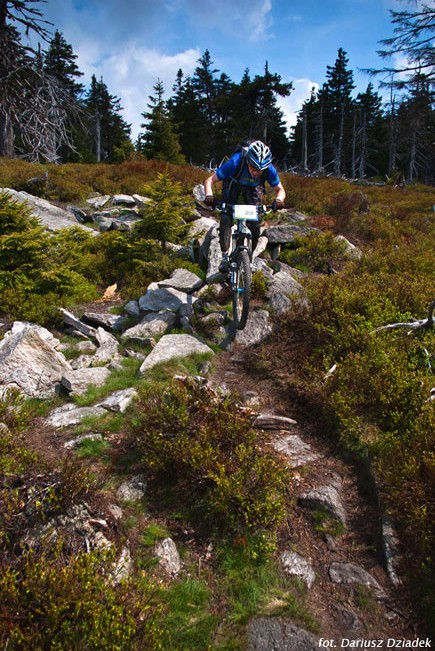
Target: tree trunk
(320, 140)
(353, 164)
(305, 140)
(6, 134)
(98, 139)
(339, 152)
(392, 153)
(413, 156)
(363, 155)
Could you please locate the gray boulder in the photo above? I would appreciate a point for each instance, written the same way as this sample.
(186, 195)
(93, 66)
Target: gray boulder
(324, 497)
(296, 565)
(70, 414)
(182, 279)
(50, 216)
(152, 325)
(283, 284)
(173, 346)
(276, 634)
(119, 400)
(77, 382)
(349, 574)
(105, 320)
(157, 299)
(30, 363)
(108, 347)
(169, 557)
(286, 233)
(257, 328)
(297, 452)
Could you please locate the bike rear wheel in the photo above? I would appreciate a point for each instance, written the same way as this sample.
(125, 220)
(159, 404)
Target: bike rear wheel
(242, 290)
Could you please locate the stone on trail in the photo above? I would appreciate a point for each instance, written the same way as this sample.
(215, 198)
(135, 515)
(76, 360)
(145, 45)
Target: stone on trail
(173, 346)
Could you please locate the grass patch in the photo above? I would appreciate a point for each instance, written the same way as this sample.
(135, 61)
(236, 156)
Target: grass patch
(189, 622)
(93, 449)
(254, 587)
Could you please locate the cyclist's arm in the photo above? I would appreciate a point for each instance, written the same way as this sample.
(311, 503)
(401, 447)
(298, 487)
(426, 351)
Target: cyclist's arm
(208, 184)
(280, 192)
(275, 183)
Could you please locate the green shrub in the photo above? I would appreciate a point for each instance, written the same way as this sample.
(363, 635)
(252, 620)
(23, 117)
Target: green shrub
(206, 449)
(318, 252)
(259, 285)
(164, 219)
(52, 601)
(33, 279)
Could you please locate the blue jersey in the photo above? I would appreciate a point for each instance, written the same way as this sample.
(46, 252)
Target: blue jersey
(228, 170)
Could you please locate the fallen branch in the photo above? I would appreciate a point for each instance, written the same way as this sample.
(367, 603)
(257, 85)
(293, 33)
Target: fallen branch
(413, 325)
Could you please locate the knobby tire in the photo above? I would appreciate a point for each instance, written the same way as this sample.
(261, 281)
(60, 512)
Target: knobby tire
(242, 291)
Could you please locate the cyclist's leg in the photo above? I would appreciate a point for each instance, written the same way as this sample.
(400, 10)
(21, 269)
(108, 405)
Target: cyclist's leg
(225, 232)
(230, 195)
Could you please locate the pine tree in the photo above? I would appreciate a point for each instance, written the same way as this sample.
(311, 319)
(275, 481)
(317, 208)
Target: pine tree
(205, 86)
(270, 127)
(416, 123)
(165, 218)
(368, 136)
(340, 85)
(187, 117)
(111, 134)
(160, 140)
(59, 61)
(305, 135)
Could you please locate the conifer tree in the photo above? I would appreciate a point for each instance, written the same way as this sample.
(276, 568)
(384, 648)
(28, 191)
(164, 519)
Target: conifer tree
(159, 141)
(165, 218)
(368, 133)
(416, 123)
(187, 117)
(340, 85)
(59, 61)
(110, 133)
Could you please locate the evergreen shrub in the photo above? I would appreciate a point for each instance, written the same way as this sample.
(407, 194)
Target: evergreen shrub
(51, 600)
(36, 274)
(206, 449)
(318, 252)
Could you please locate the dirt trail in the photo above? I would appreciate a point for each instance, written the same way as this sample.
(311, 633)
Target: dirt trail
(343, 612)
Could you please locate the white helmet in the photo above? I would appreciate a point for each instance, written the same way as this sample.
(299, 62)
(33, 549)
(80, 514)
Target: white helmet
(259, 155)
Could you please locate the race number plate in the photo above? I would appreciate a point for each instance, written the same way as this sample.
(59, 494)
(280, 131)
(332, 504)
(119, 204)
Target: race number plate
(246, 212)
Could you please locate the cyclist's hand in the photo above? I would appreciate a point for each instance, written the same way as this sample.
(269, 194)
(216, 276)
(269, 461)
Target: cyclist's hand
(277, 205)
(209, 200)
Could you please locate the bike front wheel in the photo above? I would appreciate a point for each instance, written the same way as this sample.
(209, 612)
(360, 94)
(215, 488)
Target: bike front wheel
(242, 290)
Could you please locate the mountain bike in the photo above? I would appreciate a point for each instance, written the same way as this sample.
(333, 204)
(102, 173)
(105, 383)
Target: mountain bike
(240, 258)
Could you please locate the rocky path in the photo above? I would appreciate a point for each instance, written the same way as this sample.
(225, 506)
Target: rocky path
(339, 559)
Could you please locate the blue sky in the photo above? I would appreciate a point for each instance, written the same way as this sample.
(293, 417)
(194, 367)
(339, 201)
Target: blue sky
(132, 43)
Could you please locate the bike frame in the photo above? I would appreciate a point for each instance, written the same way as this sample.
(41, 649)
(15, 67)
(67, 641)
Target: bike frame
(241, 236)
(240, 258)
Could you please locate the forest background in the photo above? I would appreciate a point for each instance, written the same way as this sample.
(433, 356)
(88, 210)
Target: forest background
(47, 114)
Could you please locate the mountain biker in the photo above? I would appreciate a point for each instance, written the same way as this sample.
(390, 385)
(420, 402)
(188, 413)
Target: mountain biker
(244, 174)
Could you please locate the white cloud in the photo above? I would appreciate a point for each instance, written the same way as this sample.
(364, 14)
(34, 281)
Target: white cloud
(260, 22)
(132, 73)
(292, 105)
(248, 20)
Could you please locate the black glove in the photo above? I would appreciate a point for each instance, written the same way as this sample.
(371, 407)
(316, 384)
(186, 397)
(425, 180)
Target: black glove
(209, 200)
(277, 204)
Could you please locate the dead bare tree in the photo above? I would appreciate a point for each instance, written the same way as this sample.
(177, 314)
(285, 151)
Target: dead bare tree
(45, 123)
